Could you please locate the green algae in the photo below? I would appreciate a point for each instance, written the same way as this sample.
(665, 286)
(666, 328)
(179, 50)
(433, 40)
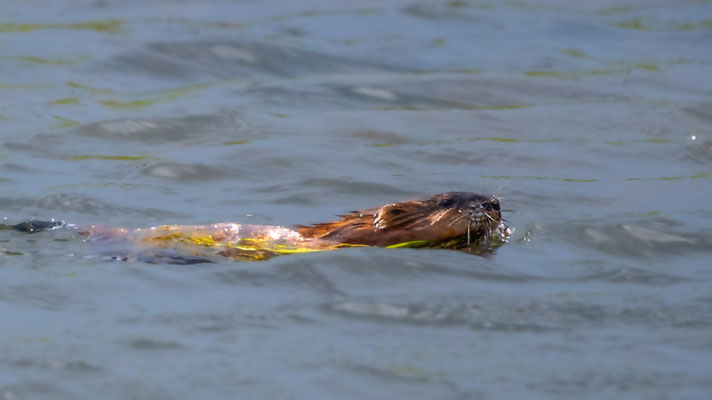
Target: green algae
(164, 97)
(237, 142)
(497, 139)
(626, 143)
(445, 71)
(557, 140)
(109, 26)
(553, 74)
(574, 74)
(575, 180)
(575, 53)
(458, 107)
(106, 26)
(457, 4)
(404, 108)
(314, 13)
(65, 122)
(534, 6)
(635, 23)
(498, 107)
(545, 141)
(701, 175)
(130, 103)
(350, 42)
(685, 26)
(656, 141)
(25, 86)
(595, 72)
(541, 178)
(408, 371)
(689, 26)
(141, 103)
(245, 249)
(614, 10)
(89, 89)
(19, 28)
(412, 244)
(652, 25)
(226, 25)
(649, 67)
(48, 61)
(65, 101)
(111, 158)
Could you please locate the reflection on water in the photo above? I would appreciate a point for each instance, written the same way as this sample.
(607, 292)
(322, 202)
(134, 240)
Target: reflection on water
(591, 123)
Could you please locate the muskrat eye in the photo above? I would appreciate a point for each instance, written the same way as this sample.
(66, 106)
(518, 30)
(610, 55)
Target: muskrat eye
(447, 203)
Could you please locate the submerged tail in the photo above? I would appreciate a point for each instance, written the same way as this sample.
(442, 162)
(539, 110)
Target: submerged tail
(35, 226)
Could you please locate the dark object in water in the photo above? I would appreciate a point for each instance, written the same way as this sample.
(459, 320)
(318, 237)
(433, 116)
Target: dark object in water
(37, 226)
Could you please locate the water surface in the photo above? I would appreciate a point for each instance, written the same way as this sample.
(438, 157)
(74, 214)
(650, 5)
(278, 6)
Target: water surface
(591, 122)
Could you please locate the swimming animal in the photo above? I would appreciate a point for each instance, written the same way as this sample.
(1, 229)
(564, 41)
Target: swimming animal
(454, 220)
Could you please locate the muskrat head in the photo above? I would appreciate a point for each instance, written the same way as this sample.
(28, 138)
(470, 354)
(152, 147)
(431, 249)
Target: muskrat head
(452, 220)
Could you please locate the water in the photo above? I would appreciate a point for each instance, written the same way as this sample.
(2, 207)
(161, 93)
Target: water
(591, 122)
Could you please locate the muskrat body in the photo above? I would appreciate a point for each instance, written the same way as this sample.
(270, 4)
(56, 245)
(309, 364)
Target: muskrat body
(454, 220)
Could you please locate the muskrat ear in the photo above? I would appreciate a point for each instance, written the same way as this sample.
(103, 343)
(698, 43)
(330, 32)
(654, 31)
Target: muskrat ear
(391, 215)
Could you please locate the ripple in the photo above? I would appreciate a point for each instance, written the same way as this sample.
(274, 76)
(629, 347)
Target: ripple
(634, 275)
(642, 241)
(183, 172)
(143, 344)
(477, 314)
(232, 59)
(83, 204)
(159, 131)
(511, 313)
(38, 295)
(399, 92)
(73, 366)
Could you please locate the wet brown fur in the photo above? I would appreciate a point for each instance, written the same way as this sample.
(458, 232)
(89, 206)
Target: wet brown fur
(443, 219)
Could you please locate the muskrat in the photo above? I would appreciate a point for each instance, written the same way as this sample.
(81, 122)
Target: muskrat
(453, 220)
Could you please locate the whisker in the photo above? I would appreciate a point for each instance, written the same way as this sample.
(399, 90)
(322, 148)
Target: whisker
(469, 226)
(486, 239)
(457, 219)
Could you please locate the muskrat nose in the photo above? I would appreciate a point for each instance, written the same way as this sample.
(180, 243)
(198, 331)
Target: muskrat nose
(492, 204)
